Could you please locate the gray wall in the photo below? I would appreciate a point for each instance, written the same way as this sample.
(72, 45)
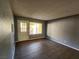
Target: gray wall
(6, 34)
(65, 31)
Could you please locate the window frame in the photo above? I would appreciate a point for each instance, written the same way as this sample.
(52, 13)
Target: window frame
(23, 26)
(37, 33)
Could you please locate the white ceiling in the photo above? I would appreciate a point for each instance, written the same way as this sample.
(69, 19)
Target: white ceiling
(45, 9)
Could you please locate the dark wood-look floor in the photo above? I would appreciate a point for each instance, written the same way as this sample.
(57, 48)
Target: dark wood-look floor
(44, 49)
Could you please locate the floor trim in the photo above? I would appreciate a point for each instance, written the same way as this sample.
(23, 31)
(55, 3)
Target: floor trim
(64, 44)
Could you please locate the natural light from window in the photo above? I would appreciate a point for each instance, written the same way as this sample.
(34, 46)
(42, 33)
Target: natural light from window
(23, 26)
(35, 28)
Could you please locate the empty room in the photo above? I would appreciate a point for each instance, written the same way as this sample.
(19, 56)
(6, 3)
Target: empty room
(39, 29)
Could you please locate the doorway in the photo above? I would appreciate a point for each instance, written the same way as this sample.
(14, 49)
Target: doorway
(22, 28)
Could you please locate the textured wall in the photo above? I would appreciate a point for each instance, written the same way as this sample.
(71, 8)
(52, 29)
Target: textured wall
(65, 31)
(6, 35)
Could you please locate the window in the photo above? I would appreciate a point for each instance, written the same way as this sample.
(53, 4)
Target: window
(23, 26)
(35, 28)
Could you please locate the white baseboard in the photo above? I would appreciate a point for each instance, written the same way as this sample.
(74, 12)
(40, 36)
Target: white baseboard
(63, 44)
